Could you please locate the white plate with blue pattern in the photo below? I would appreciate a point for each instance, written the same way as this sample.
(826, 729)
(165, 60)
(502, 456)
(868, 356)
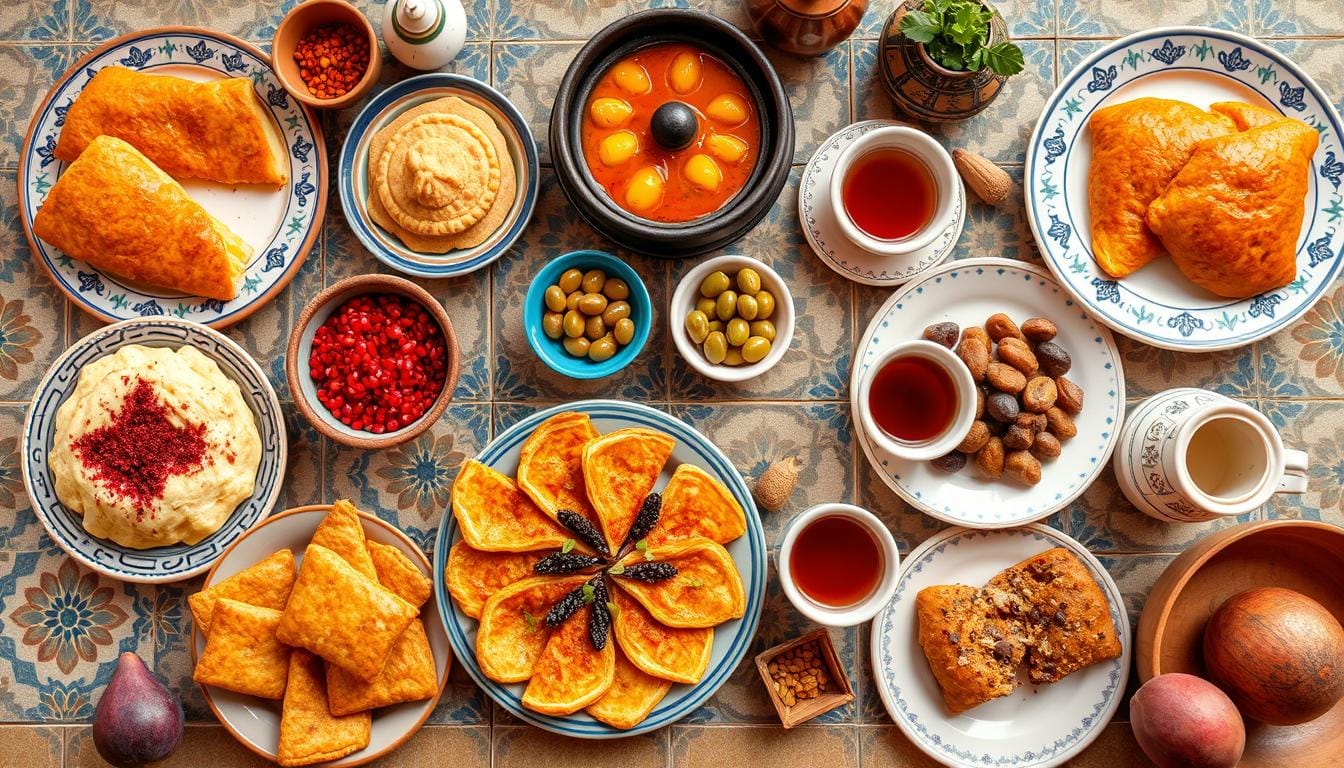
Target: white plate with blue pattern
(1158, 305)
(1035, 726)
(159, 564)
(967, 292)
(731, 639)
(281, 225)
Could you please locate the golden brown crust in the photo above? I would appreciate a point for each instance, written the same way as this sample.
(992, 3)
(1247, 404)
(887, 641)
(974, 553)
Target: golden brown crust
(968, 648)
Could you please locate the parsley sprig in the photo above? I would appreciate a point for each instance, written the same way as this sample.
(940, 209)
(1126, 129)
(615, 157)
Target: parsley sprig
(956, 35)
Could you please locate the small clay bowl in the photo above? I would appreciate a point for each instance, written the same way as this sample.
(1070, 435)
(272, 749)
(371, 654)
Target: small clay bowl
(304, 391)
(296, 24)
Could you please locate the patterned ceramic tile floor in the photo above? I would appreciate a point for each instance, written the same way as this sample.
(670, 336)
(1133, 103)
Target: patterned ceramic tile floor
(61, 628)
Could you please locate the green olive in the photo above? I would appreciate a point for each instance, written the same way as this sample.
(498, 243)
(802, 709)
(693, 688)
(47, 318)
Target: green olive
(748, 281)
(593, 280)
(765, 305)
(716, 346)
(714, 284)
(573, 324)
(577, 346)
(716, 325)
(738, 331)
(756, 348)
(697, 326)
(616, 289)
(572, 300)
(733, 356)
(602, 349)
(595, 329)
(593, 304)
(615, 311)
(707, 306)
(555, 298)
(570, 281)
(624, 331)
(553, 323)
(726, 305)
(747, 307)
(763, 328)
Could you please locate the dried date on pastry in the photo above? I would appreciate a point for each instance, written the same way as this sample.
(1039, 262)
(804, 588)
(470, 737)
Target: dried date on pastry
(1070, 399)
(1046, 446)
(1061, 423)
(975, 355)
(976, 332)
(1039, 329)
(1002, 407)
(1054, 361)
(1039, 394)
(1018, 438)
(951, 463)
(943, 333)
(975, 439)
(1016, 353)
(989, 460)
(1000, 326)
(1005, 378)
(1023, 468)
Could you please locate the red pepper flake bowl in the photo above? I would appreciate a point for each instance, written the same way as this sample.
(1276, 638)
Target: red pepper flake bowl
(373, 361)
(337, 43)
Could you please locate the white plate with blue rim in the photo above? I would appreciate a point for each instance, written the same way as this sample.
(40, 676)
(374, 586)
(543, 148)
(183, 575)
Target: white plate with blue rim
(967, 292)
(157, 564)
(353, 173)
(732, 639)
(1035, 726)
(281, 225)
(1158, 305)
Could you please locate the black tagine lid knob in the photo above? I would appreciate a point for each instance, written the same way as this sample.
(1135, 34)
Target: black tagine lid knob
(674, 126)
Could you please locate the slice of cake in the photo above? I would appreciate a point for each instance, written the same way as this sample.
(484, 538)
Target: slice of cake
(973, 653)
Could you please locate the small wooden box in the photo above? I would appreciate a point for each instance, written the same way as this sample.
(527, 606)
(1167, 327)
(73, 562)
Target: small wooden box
(841, 694)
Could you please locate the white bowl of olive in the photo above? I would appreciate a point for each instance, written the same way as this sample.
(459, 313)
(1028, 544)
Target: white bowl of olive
(732, 318)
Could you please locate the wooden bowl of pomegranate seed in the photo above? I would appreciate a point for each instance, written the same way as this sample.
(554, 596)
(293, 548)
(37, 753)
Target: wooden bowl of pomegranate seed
(373, 361)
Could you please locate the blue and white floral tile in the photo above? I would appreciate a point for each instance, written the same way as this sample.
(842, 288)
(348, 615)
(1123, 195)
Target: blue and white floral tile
(409, 485)
(26, 74)
(35, 20)
(32, 310)
(528, 75)
(307, 461)
(65, 626)
(519, 375)
(1296, 17)
(908, 525)
(887, 747)
(1307, 358)
(465, 298)
(867, 699)
(1135, 576)
(581, 19)
(250, 21)
(19, 529)
(1317, 427)
(1025, 18)
(172, 624)
(520, 746)
(462, 702)
(834, 746)
(1087, 18)
(1000, 133)
(998, 230)
(1072, 52)
(818, 89)
(1149, 370)
(816, 366)
(1322, 59)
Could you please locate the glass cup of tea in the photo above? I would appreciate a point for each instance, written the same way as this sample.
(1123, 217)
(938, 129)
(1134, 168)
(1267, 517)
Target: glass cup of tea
(893, 191)
(837, 564)
(916, 400)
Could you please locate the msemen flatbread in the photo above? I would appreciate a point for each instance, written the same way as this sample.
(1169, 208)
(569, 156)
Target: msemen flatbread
(620, 470)
(550, 466)
(266, 585)
(242, 653)
(498, 517)
(512, 632)
(696, 504)
(309, 732)
(679, 655)
(409, 675)
(342, 532)
(400, 574)
(706, 591)
(632, 696)
(472, 576)
(571, 673)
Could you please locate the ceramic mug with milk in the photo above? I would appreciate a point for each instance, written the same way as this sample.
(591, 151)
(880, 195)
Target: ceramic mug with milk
(1190, 455)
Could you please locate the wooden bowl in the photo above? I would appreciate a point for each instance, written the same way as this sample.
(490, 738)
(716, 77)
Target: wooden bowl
(301, 385)
(841, 693)
(295, 25)
(1302, 555)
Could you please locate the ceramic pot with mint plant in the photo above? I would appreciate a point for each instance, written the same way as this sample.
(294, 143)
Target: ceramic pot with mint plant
(946, 60)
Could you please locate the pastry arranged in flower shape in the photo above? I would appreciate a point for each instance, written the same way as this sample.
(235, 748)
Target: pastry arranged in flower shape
(592, 588)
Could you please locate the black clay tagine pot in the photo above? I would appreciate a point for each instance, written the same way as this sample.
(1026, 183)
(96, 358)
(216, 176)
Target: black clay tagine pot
(740, 213)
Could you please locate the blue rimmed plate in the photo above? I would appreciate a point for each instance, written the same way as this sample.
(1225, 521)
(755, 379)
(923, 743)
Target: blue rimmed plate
(353, 174)
(159, 564)
(281, 224)
(1158, 305)
(731, 639)
(967, 292)
(1035, 726)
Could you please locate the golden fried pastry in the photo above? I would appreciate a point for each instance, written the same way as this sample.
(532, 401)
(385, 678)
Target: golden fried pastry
(242, 652)
(571, 673)
(696, 504)
(116, 210)
(550, 466)
(266, 585)
(1232, 215)
(218, 131)
(513, 632)
(398, 573)
(309, 731)
(679, 655)
(632, 696)
(472, 576)
(496, 516)
(342, 532)
(1137, 148)
(1245, 116)
(620, 469)
(409, 675)
(972, 653)
(706, 591)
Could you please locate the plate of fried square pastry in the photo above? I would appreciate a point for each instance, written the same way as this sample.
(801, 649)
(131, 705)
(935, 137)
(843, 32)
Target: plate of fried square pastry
(1185, 184)
(1006, 647)
(316, 639)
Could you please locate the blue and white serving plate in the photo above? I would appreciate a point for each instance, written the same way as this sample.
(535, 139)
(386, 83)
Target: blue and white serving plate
(1158, 305)
(731, 639)
(281, 225)
(159, 564)
(1036, 726)
(353, 173)
(967, 292)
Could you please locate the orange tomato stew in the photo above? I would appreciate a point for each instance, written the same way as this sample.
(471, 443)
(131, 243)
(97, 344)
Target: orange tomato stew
(640, 175)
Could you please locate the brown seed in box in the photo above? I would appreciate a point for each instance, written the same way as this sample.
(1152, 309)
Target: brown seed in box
(1039, 394)
(1070, 398)
(1022, 467)
(975, 355)
(1016, 353)
(1039, 329)
(1060, 423)
(1018, 438)
(989, 460)
(1032, 421)
(1000, 326)
(943, 333)
(975, 439)
(1046, 446)
(1005, 378)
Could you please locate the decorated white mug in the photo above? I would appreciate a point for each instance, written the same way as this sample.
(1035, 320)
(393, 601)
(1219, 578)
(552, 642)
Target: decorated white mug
(1190, 455)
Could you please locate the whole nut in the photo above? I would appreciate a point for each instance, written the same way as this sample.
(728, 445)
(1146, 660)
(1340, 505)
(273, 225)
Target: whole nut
(1070, 398)
(989, 460)
(975, 439)
(1005, 378)
(1018, 438)
(976, 332)
(1002, 407)
(1032, 421)
(1053, 359)
(943, 333)
(976, 357)
(1039, 329)
(988, 181)
(1046, 446)
(1060, 423)
(1016, 353)
(951, 463)
(1000, 326)
(1022, 467)
(1039, 394)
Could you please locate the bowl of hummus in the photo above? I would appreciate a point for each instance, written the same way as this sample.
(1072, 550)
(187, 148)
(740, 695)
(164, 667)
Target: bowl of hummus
(150, 446)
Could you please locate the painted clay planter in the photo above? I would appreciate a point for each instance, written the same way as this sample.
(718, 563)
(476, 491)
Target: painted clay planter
(924, 89)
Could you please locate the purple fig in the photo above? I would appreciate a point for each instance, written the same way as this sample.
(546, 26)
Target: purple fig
(138, 720)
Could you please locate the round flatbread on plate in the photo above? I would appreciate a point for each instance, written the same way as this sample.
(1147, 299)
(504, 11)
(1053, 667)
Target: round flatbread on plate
(281, 225)
(967, 292)
(1157, 304)
(1035, 726)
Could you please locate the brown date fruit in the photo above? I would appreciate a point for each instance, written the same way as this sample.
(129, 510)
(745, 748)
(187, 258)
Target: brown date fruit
(1061, 423)
(943, 333)
(1016, 353)
(976, 332)
(950, 463)
(1039, 395)
(1032, 421)
(975, 439)
(1053, 359)
(989, 460)
(1000, 326)
(1018, 438)
(1005, 378)
(1002, 407)
(980, 393)
(1070, 399)
(1039, 329)
(976, 357)
(1046, 446)
(1022, 467)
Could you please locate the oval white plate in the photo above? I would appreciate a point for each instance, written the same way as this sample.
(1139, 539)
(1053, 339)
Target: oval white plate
(1158, 305)
(281, 225)
(967, 292)
(1035, 726)
(255, 722)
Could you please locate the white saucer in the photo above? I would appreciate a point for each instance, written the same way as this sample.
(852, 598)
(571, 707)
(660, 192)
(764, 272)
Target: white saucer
(824, 235)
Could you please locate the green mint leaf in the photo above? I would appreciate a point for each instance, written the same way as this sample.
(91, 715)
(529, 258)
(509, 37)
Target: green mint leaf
(616, 570)
(568, 546)
(920, 27)
(966, 26)
(589, 593)
(613, 610)
(1004, 59)
(643, 546)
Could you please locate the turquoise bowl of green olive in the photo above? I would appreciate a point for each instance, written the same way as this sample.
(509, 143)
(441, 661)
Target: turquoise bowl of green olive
(732, 318)
(587, 314)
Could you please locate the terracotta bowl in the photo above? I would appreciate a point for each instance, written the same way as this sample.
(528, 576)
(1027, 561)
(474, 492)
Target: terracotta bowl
(301, 384)
(1301, 555)
(295, 25)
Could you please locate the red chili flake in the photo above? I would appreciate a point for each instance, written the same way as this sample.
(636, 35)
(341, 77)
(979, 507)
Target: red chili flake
(136, 454)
